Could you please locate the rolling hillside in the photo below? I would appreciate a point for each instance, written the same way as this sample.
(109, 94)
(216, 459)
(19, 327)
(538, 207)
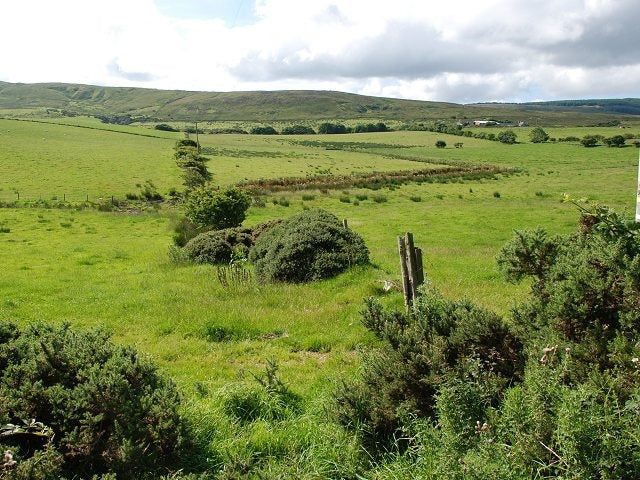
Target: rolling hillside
(289, 105)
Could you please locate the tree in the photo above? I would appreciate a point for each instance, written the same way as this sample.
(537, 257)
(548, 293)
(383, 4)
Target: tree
(538, 135)
(589, 141)
(507, 136)
(615, 141)
(441, 144)
(212, 208)
(194, 170)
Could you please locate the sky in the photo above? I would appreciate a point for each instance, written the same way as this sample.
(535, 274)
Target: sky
(459, 51)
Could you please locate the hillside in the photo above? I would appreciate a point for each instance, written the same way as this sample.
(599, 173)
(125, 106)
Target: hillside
(289, 105)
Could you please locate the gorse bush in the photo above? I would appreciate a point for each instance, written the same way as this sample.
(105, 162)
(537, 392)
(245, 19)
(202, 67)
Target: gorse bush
(438, 344)
(110, 410)
(450, 378)
(217, 246)
(308, 246)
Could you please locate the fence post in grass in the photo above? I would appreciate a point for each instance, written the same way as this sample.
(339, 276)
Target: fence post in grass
(345, 224)
(406, 287)
(412, 264)
(18, 193)
(411, 268)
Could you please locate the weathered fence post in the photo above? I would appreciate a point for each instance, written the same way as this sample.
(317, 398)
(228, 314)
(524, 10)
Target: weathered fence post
(345, 224)
(404, 271)
(411, 269)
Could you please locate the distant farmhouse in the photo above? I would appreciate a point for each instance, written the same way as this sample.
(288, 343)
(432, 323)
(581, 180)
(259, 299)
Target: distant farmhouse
(493, 123)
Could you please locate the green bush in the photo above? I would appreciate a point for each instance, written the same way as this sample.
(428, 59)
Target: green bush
(209, 207)
(217, 246)
(439, 343)
(110, 410)
(308, 246)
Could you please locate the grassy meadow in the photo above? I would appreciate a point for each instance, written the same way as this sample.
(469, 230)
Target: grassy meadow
(112, 269)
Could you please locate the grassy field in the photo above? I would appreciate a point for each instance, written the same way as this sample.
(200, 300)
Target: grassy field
(92, 268)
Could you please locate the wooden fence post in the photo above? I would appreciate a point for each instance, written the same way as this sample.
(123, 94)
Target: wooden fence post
(411, 269)
(406, 287)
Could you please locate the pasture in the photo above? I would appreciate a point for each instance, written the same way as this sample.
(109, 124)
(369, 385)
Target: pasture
(93, 268)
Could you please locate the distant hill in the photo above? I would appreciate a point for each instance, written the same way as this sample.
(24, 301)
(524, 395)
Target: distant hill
(291, 105)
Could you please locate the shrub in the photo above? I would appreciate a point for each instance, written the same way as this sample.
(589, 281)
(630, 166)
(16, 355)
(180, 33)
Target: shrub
(209, 207)
(308, 246)
(507, 136)
(379, 198)
(165, 127)
(268, 130)
(184, 230)
(442, 341)
(441, 144)
(538, 135)
(615, 141)
(589, 141)
(217, 246)
(110, 409)
(298, 130)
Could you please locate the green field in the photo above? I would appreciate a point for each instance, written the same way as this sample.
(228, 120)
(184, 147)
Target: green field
(93, 268)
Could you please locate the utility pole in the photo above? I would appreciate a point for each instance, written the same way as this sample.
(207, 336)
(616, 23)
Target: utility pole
(638, 193)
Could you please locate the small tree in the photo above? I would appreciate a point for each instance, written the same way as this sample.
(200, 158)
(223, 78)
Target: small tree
(216, 209)
(589, 141)
(441, 144)
(507, 136)
(615, 141)
(538, 135)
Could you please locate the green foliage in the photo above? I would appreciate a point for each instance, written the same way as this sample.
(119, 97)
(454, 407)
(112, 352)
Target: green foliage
(332, 128)
(308, 246)
(441, 144)
(298, 130)
(440, 342)
(188, 158)
(507, 136)
(165, 127)
(615, 141)
(210, 207)
(538, 135)
(267, 399)
(587, 292)
(528, 253)
(110, 410)
(217, 246)
(267, 130)
(589, 141)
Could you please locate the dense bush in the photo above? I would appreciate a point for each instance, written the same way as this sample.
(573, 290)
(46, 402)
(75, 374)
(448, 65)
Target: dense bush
(333, 128)
(165, 127)
(210, 207)
(442, 342)
(586, 293)
(298, 130)
(507, 136)
(109, 409)
(217, 246)
(308, 246)
(268, 130)
(538, 135)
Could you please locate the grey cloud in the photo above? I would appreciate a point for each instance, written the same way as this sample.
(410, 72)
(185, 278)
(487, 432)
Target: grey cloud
(408, 51)
(114, 69)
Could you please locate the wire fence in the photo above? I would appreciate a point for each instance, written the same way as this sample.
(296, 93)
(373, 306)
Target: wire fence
(18, 196)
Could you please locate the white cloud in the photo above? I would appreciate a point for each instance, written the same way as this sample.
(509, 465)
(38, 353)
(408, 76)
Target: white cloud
(461, 51)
